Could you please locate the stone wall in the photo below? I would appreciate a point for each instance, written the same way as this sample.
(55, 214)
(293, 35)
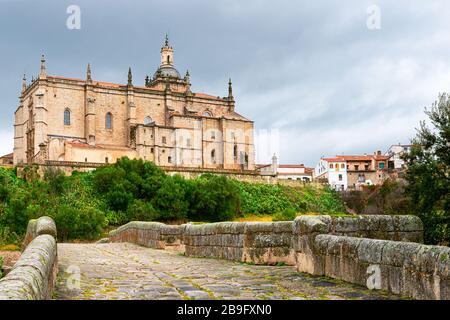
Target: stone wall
(33, 276)
(264, 242)
(259, 243)
(409, 269)
(150, 234)
(380, 252)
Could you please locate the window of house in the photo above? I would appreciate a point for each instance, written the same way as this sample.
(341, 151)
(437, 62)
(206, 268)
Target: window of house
(213, 155)
(106, 160)
(164, 140)
(67, 117)
(213, 135)
(207, 114)
(356, 167)
(381, 165)
(108, 121)
(366, 167)
(85, 159)
(342, 166)
(340, 177)
(331, 166)
(151, 150)
(235, 152)
(169, 159)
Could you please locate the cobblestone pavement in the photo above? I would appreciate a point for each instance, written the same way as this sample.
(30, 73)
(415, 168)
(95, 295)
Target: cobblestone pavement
(128, 271)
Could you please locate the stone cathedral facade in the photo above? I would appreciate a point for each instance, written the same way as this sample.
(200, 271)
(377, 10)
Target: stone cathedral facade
(69, 120)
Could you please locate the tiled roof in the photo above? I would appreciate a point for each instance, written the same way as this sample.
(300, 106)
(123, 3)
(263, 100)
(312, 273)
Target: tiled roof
(294, 173)
(83, 145)
(356, 158)
(204, 95)
(235, 115)
(291, 166)
(9, 155)
(95, 83)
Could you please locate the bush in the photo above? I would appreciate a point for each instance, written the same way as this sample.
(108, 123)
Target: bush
(55, 179)
(286, 215)
(1, 267)
(141, 211)
(388, 198)
(170, 199)
(213, 198)
(75, 223)
(7, 236)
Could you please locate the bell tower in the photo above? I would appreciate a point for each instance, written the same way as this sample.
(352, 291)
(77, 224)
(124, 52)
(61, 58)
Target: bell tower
(167, 53)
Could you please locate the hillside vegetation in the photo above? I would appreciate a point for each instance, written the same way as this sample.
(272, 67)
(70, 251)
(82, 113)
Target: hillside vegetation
(85, 204)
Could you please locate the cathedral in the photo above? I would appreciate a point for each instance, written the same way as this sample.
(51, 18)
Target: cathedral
(67, 120)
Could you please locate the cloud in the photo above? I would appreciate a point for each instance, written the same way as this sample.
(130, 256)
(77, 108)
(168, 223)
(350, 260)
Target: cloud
(7, 144)
(312, 70)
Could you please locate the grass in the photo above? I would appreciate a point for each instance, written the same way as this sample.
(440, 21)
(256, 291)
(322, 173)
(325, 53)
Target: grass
(10, 247)
(269, 218)
(254, 217)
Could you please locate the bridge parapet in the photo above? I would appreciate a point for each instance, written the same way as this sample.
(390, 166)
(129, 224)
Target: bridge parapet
(33, 276)
(406, 268)
(150, 234)
(380, 252)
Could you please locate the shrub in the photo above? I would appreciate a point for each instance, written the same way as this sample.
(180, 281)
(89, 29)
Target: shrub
(142, 211)
(55, 179)
(7, 236)
(1, 267)
(213, 198)
(285, 215)
(170, 199)
(116, 218)
(76, 223)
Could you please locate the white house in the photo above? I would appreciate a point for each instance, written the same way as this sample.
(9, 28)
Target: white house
(286, 171)
(395, 152)
(333, 171)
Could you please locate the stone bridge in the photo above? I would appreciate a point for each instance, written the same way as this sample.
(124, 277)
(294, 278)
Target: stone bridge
(129, 271)
(313, 257)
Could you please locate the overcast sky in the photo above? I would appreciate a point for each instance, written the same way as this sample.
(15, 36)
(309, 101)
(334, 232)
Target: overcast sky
(310, 70)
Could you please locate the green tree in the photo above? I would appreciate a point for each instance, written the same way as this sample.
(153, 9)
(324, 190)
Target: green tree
(214, 198)
(428, 173)
(170, 199)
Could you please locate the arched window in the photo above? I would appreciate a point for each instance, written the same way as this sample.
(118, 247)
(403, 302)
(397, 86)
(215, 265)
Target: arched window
(207, 114)
(168, 59)
(235, 152)
(213, 155)
(147, 121)
(67, 117)
(108, 121)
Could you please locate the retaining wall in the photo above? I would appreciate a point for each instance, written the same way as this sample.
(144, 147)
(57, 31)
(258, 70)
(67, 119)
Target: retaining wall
(34, 274)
